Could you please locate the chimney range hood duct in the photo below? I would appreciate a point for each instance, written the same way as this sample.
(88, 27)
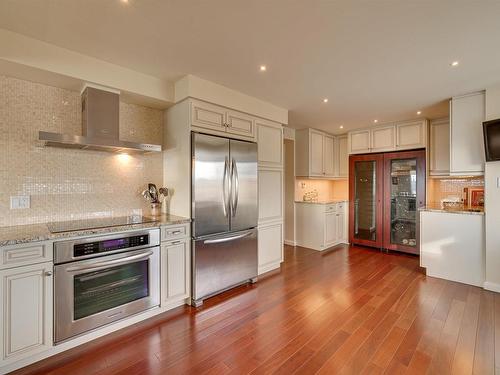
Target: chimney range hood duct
(100, 126)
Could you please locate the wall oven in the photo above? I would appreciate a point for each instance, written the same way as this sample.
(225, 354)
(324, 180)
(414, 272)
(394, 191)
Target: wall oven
(103, 279)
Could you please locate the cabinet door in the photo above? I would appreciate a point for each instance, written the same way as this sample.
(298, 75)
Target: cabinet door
(240, 123)
(466, 133)
(328, 156)
(270, 245)
(343, 157)
(439, 147)
(270, 141)
(175, 273)
(383, 139)
(208, 116)
(26, 314)
(411, 135)
(270, 195)
(330, 228)
(359, 142)
(340, 227)
(316, 153)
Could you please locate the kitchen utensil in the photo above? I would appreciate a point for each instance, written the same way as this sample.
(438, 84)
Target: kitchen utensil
(153, 192)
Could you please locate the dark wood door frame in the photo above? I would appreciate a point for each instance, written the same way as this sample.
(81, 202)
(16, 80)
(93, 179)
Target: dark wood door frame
(419, 155)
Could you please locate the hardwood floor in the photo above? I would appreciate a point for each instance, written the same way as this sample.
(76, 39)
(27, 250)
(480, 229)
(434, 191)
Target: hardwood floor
(344, 311)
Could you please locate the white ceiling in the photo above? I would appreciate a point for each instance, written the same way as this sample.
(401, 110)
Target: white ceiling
(372, 59)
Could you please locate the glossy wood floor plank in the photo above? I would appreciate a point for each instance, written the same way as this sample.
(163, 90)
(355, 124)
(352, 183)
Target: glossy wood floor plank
(349, 310)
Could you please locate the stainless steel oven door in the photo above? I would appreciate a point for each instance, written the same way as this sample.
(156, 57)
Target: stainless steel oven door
(94, 292)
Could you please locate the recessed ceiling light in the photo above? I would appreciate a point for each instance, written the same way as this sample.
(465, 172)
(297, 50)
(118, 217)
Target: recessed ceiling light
(419, 112)
(263, 68)
(325, 100)
(375, 121)
(454, 63)
(341, 126)
(124, 1)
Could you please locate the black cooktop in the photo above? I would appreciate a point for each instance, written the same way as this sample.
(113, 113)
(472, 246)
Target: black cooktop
(75, 225)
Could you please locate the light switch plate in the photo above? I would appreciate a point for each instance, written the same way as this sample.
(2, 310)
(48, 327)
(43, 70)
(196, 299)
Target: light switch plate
(20, 202)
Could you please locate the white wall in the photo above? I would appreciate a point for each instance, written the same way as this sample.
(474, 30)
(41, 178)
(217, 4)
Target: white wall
(492, 202)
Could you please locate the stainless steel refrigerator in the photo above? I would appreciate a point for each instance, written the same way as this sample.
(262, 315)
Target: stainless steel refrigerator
(224, 212)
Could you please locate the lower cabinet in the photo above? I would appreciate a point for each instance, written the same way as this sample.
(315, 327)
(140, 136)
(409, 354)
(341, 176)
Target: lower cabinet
(320, 226)
(270, 245)
(175, 271)
(26, 316)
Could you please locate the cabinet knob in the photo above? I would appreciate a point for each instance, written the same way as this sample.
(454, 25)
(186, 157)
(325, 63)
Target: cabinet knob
(48, 273)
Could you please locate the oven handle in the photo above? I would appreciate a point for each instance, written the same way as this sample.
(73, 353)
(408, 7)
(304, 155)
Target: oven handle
(101, 265)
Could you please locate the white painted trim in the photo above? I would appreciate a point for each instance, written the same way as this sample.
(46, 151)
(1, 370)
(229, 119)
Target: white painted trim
(491, 286)
(269, 267)
(290, 243)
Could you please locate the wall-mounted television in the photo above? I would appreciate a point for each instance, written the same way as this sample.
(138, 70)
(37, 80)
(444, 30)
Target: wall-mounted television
(491, 131)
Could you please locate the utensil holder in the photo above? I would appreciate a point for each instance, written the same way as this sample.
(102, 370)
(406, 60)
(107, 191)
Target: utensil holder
(155, 209)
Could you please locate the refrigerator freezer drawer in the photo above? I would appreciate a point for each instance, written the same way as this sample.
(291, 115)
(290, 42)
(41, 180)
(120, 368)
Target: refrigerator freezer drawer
(223, 261)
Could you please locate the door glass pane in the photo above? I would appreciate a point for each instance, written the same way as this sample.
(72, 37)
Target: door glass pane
(365, 204)
(104, 289)
(403, 202)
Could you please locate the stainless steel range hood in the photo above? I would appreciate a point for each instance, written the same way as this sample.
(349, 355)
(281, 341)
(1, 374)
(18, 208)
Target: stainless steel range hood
(100, 126)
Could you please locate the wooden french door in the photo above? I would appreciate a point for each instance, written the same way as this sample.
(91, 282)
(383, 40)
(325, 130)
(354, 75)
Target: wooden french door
(385, 192)
(365, 199)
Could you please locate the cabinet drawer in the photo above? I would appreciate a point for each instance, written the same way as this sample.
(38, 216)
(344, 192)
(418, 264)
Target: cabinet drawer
(331, 208)
(21, 255)
(340, 206)
(174, 232)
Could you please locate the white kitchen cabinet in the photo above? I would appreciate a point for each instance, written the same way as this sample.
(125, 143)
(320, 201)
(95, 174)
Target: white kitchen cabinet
(452, 246)
(439, 150)
(26, 314)
(175, 271)
(383, 139)
(270, 141)
(216, 118)
(270, 246)
(316, 154)
(240, 123)
(359, 141)
(320, 226)
(467, 114)
(208, 116)
(270, 194)
(343, 156)
(411, 135)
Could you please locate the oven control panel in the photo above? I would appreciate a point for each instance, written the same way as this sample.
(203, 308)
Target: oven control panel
(97, 247)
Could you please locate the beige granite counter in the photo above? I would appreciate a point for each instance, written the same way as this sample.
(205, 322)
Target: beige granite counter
(331, 201)
(39, 232)
(461, 210)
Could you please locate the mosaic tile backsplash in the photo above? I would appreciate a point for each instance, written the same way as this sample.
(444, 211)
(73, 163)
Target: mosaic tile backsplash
(66, 184)
(446, 188)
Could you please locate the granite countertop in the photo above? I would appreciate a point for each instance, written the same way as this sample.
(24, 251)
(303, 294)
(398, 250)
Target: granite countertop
(479, 210)
(331, 201)
(39, 232)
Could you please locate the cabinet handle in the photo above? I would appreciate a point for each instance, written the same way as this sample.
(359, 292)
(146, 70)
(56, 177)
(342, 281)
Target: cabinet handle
(48, 273)
(176, 242)
(174, 232)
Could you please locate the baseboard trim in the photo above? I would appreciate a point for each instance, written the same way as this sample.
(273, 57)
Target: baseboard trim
(290, 243)
(494, 287)
(268, 267)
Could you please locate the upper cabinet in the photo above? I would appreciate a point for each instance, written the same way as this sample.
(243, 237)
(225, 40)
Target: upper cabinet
(343, 157)
(401, 136)
(318, 154)
(467, 114)
(270, 141)
(213, 117)
(439, 147)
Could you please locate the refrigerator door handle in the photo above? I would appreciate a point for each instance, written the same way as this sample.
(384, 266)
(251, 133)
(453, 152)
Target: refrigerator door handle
(225, 181)
(228, 239)
(235, 184)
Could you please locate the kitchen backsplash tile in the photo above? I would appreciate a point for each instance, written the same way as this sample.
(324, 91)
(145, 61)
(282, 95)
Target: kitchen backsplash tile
(64, 183)
(446, 187)
(327, 189)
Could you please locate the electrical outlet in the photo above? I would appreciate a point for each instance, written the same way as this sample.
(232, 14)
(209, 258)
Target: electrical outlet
(20, 202)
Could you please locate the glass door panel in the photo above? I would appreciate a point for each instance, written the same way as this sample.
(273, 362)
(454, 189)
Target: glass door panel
(365, 203)
(403, 219)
